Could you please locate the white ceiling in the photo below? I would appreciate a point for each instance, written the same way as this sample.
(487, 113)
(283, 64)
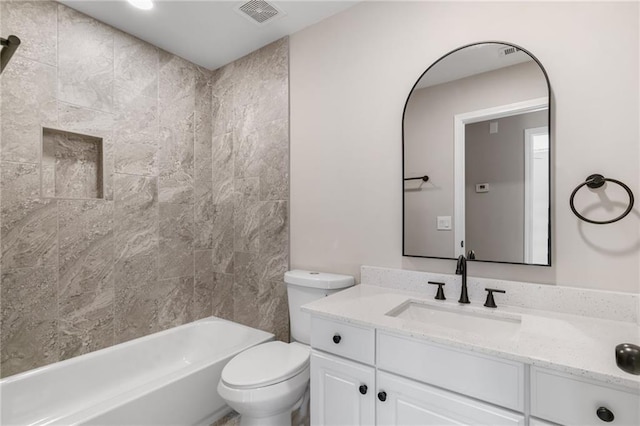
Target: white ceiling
(210, 33)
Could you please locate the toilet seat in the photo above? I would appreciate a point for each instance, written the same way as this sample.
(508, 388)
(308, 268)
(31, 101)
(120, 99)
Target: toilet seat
(265, 365)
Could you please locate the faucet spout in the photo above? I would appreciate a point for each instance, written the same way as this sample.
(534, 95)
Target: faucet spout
(461, 269)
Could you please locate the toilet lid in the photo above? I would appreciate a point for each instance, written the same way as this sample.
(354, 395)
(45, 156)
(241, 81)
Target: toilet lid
(265, 364)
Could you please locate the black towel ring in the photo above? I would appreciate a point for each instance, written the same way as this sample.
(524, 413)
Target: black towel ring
(596, 181)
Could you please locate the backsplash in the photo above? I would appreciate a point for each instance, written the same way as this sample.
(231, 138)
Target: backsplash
(191, 216)
(609, 305)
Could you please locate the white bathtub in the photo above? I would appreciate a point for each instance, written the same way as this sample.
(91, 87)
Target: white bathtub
(166, 378)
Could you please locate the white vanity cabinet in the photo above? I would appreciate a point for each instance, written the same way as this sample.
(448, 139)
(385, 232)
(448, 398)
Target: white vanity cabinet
(364, 376)
(348, 389)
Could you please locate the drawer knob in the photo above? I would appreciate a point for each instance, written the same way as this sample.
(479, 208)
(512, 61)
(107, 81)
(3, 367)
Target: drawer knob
(605, 414)
(382, 396)
(336, 338)
(363, 389)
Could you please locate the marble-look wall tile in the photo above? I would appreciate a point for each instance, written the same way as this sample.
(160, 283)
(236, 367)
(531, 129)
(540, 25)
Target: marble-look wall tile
(135, 311)
(259, 287)
(222, 167)
(86, 291)
(93, 123)
(135, 86)
(146, 309)
(135, 113)
(29, 311)
(250, 183)
(176, 240)
(176, 164)
(29, 223)
(176, 89)
(245, 290)
(28, 102)
(175, 301)
(35, 23)
(223, 231)
(48, 167)
(203, 165)
(246, 224)
(136, 154)
(203, 284)
(136, 65)
(85, 60)
(222, 296)
(264, 152)
(136, 228)
(222, 104)
(274, 228)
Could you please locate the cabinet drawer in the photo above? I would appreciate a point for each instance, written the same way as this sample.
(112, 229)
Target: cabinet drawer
(407, 402)
(571, 400)
(342, 339)
(494, 380)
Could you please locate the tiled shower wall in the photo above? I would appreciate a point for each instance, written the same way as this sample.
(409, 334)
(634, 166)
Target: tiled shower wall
(193, 220)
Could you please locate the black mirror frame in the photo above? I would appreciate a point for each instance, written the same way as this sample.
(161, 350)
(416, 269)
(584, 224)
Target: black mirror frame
(551, 174)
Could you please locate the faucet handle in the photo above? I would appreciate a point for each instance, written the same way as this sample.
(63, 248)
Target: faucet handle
(490, 302)
(440, 292)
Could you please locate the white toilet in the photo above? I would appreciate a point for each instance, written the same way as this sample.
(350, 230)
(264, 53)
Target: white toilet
(266, 382)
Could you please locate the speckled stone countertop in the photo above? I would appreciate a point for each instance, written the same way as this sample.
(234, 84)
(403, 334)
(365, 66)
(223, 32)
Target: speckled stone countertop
(575, 344)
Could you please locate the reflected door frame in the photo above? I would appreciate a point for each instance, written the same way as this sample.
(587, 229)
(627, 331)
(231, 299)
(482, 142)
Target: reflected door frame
(459, 123)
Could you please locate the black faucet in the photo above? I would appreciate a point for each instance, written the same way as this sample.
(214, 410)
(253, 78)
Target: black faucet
(461, 269)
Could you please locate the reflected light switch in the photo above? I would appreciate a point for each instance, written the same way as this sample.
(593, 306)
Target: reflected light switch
(444, 223)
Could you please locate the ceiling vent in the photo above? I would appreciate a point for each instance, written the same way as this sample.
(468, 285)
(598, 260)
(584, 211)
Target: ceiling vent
(259, 11)
(508, 51)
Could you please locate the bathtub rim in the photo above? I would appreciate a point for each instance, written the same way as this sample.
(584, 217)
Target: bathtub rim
(60, 364)
(113, 402)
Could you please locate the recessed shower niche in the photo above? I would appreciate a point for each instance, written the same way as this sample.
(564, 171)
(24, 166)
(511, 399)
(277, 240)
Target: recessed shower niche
(71, 165)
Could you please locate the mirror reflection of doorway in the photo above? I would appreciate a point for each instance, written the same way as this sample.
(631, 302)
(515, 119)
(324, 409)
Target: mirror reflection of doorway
(536, 194)
(505, 186)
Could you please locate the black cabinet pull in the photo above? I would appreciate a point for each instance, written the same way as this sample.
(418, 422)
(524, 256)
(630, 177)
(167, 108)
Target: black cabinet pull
(363, 389)
(382, 396)
(336, 338)
(605, 414)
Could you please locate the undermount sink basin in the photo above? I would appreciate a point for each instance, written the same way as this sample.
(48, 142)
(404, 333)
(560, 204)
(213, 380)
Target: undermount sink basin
(461, 318)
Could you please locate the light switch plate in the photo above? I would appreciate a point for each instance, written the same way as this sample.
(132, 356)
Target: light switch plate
(444, 223)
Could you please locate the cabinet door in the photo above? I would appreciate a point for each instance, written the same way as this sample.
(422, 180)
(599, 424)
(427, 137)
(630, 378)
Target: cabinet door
(412, 403)
(336, 395)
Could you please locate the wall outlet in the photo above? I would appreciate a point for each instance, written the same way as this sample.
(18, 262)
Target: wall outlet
(444, 223)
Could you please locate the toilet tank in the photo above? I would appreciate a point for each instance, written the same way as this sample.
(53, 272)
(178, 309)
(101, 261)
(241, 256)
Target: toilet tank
(304, 287)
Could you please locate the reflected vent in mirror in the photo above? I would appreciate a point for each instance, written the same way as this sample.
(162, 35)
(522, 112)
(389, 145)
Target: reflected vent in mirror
(508, 51)
(259, 11)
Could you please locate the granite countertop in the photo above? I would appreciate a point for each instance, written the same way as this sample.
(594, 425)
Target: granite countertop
(580, 345)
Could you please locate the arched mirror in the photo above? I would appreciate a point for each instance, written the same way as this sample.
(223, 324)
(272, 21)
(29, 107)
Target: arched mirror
(476, 158)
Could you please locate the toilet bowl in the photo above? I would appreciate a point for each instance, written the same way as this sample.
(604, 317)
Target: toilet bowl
(266, 382)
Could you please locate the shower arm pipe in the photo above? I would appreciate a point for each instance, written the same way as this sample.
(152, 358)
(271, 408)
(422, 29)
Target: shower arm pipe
(9, 46)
